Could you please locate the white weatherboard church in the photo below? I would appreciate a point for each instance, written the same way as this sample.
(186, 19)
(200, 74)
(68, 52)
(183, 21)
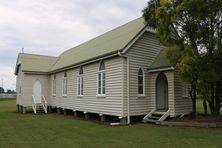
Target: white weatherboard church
(121, 73)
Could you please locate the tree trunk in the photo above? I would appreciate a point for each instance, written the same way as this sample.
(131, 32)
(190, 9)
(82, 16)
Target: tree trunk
(193, 97)
(205, 107)
(217, 98)
(212, 101)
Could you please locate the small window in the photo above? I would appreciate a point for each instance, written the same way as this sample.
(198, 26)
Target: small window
(141, 82)
(185, 91)
(54, 85)
(101, 88)
(64, 85)
(80, 82)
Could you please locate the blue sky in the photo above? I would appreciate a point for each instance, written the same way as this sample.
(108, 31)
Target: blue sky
(52, 26)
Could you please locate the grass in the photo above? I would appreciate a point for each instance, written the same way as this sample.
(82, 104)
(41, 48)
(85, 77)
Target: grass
(51, 130)
(199, 106)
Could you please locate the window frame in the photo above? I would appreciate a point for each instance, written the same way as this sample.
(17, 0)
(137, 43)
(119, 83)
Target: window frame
(185, 93)
(143, 84)
(54, 85)
(101, 78)
(64, 81)
(80, 87)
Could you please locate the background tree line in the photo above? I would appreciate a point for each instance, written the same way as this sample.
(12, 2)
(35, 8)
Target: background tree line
(7, 91)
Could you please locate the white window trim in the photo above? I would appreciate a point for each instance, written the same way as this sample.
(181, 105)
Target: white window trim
(64, 95)
(53, 94)
(100, 95)
(79, 95)
(142, 95)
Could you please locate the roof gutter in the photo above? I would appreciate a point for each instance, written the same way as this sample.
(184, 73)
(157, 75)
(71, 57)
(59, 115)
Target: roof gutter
(99, 58)
(161, 69)
(35, 72)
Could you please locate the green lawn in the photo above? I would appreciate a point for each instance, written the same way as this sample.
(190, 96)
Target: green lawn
(18, 130)
(199, 106)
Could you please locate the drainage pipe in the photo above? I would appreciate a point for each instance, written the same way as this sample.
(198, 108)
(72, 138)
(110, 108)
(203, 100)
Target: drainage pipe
(128, 83)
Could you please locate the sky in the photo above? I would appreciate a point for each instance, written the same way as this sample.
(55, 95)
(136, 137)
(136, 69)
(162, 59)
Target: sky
(50, 27)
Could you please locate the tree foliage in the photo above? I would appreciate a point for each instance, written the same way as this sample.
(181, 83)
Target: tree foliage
(2, 90)
(192, 32)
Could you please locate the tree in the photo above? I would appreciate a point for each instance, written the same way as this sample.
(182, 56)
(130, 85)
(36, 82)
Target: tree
(2, 90)
(9, 91)
(191, 31)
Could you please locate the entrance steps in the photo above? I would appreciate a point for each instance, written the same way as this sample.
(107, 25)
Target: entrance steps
(39, 105)
(156, 116)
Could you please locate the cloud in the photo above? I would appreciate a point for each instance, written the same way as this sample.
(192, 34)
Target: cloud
(53, 26)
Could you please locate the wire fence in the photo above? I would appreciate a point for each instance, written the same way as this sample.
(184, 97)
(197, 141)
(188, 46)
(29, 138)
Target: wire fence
(7, 96)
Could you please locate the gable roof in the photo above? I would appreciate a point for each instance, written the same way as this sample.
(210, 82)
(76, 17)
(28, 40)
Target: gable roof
(160, 61)
(112, 41)
(35, 63)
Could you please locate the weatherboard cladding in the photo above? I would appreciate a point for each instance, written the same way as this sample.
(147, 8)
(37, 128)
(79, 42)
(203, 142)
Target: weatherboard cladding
(183, 105)
(110, 105)
(141, 55)
(27, 88)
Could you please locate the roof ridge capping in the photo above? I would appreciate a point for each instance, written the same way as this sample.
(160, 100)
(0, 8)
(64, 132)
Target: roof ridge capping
(37, 55)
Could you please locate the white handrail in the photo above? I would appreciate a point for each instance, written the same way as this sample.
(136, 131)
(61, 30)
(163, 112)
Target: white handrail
(33, 98)
(44, 99)
(43, 103)
(148, 115)
(165, 115)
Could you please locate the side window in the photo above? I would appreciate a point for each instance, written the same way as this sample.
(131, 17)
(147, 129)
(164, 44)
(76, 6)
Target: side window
(80, 82)
(64, 85)
(185, 93)
(141, 88)
(54, 85)
(101, 79)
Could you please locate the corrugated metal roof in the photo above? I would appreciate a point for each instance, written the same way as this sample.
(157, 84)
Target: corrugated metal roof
(161, 61)
(109, 42)
(36, 63)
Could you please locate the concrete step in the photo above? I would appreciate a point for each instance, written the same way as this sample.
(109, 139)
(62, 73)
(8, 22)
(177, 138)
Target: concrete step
(159, 112)
(151, 120)
(154, 117)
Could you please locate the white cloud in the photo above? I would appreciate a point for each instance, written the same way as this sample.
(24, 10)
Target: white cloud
(53, 26)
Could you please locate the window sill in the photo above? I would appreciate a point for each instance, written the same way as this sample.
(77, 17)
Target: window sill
(80, 96)
(64, 95)
(101, 96)
(141, 95)
(54, 95)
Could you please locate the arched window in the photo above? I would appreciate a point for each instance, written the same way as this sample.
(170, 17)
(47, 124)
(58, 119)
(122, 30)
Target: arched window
(54, 85)
(64, 84)
(80, 82)
(101, 89)
(140, 82)
(102, 66)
